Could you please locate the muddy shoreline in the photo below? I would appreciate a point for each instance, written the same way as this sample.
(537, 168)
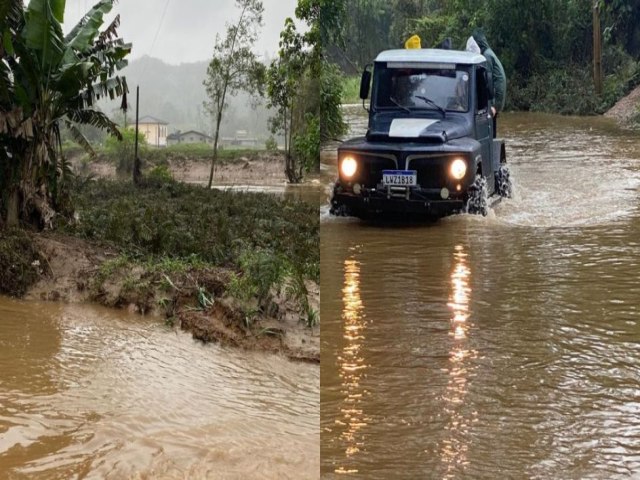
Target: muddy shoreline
(626, 109)
(73, 270)
(264, 169)
(198, 298)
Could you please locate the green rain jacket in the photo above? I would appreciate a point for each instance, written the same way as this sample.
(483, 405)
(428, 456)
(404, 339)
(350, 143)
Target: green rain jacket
(495, 67)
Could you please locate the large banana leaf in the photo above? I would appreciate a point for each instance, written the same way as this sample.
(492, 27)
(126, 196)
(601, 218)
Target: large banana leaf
(11, 13)
(6, 84)
(84, 33)
(43, 31)
(96, 119)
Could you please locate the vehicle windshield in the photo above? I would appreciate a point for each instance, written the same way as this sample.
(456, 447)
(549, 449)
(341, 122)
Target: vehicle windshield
(422, 88)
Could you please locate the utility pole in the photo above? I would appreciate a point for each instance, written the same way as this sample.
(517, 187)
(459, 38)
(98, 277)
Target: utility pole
(597, 49)
(137, 174)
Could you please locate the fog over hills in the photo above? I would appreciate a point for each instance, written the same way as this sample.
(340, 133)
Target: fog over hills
(175, 94)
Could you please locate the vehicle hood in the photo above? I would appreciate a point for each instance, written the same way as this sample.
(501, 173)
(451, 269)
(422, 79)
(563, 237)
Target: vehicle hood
(420, 129)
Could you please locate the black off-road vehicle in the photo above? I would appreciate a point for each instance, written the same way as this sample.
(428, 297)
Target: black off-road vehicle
(429, 149)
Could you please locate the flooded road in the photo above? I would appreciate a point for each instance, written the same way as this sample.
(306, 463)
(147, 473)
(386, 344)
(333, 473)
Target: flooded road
(89, 393)
(498, 347)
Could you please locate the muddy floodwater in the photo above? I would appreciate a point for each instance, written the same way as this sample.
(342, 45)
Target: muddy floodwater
(497, 347)
(88, 393)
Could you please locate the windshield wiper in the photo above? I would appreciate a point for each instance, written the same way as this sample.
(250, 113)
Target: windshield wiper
(428, 100)
(395, 102)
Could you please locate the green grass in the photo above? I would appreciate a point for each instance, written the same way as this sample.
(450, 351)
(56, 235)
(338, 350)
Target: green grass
(168, 231)
(171, 222)
(351, 90)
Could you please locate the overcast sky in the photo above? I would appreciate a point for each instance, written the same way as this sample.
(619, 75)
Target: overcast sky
(189, 29)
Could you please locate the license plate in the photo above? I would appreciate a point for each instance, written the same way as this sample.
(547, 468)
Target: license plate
(399, 178)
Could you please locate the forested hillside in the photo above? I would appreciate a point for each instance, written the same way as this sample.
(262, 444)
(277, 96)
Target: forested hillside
(546, 46)
(175, 94)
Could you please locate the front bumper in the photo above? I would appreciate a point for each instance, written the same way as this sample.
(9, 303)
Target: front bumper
(375, 202)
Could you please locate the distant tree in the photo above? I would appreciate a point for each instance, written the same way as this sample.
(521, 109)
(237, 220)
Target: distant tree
(123, 149)
(48, 79)
(332, 18)
(234, 67)
(283, 88)
(302, 90)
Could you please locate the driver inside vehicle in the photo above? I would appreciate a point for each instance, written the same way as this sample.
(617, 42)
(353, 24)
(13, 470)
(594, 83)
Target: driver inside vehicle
(428, 88)
(459, 102)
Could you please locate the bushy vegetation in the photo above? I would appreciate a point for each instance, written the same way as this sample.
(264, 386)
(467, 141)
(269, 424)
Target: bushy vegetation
(20, 263)
(47, 80)
(350, 89)
(123, 150)
(546, 47)
(172, 220)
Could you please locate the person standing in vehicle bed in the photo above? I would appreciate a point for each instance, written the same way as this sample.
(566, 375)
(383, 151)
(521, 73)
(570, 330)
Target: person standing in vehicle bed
(498, 76)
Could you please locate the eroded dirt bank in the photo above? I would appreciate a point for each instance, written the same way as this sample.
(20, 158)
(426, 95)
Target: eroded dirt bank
(627, 109)
(262, 169)
(195, 299)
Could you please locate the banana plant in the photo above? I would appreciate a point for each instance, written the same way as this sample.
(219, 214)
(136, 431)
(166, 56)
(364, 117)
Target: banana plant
(48, 79)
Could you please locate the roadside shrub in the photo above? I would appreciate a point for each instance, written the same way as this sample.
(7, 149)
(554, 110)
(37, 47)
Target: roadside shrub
(350, 90)
(306, 145)
(568, 91)
(261, 269)
(271, 144)
(160, 174)
(332, 125)
(123, 150)
(20, 263)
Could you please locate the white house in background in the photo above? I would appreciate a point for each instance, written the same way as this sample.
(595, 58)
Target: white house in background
(155, 130)
(189, 137)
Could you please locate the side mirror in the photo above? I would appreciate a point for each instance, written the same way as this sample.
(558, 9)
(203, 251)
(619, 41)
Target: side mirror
(365, 84)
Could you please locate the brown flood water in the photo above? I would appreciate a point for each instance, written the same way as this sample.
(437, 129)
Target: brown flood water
(498, 347)
(89, 393)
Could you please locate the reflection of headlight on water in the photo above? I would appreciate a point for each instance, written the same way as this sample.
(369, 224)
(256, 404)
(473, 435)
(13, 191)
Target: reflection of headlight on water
(458, 169)
(348, 167)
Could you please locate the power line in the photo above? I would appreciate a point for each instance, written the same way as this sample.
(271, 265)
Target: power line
(164, 12)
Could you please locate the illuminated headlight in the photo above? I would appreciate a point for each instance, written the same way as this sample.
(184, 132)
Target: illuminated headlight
(348, 167)
(458, 169)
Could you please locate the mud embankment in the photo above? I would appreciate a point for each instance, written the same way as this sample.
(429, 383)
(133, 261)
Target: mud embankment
(195, 299)
(263, 169)
(627, 110)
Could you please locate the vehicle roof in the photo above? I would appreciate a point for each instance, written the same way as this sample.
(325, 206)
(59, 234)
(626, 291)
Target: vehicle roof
(429, 55)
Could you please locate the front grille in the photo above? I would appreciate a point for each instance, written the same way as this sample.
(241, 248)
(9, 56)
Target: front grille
(370, 169)
(432, 171)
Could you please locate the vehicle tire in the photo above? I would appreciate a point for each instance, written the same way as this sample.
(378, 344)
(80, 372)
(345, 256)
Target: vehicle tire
(504, 187)
(478, 197)
(339, 210)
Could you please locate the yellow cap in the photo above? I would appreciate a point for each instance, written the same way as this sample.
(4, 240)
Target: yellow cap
(413, 43)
